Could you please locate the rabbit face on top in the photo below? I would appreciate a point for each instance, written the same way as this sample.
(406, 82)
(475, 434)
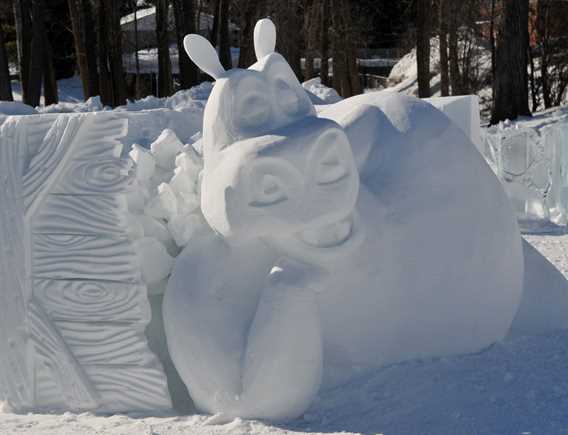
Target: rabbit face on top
(270, 163)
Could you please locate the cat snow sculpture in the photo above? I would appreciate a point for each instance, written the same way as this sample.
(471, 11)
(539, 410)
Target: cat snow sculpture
(371, 233)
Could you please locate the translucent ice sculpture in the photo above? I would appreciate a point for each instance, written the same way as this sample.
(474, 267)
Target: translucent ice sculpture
(372, 233)
(533, 166)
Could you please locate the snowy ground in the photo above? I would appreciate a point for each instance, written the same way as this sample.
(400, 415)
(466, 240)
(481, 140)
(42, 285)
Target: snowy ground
(516, 387)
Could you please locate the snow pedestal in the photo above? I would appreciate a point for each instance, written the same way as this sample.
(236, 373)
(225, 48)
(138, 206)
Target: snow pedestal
(73, 306)
(533, 167)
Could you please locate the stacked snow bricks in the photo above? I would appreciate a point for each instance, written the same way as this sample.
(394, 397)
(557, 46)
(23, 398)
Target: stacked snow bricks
(73, 310)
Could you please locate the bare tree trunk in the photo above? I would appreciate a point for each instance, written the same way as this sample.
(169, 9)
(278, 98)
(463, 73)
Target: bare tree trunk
(185, 24)
(287, 41)
(542, 26)
(5, 82)
(115, 53)
(165, 84)
(455, 76)
(444, 73)
(339, 66)
(84, 37)
(251, 12)
(80, 48)
(22, 18)
(350, 49)
(88, 15)
(339, 70)
(214, 36)
(37, 54)
(223, 38)
(345, 74)
(137, 80)
(310, 35)
(533, 82)
(245, 38)
(492, 37)
(49, 82)
(291, 40)
(511, 81)
(105, 81)
(324, 42)
(423, 12)
(198, 15)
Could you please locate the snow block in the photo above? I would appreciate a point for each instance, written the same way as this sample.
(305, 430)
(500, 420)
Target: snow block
(73, 309)
(165, 149)
(464, 111)
(145, 162)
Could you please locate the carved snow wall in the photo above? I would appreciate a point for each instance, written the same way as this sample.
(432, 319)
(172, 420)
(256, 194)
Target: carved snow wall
(73, 309)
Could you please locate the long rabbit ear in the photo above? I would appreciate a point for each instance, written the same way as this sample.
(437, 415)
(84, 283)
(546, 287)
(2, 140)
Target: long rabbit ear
(264, 38)
(202, 53)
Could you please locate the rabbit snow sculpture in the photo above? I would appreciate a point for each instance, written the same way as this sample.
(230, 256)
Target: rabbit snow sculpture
(371, 233)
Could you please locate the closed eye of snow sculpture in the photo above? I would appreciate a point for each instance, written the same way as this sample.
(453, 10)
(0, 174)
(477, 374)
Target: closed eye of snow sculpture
(370, 233)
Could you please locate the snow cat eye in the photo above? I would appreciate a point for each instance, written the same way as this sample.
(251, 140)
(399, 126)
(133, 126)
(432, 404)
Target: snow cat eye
(251, 103)
(272, 181)
(255, 111)
(287, 98)
(331, 160)
(331, 168)
(270, 191)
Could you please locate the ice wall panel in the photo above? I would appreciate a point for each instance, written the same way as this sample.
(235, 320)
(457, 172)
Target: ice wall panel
(532, 164)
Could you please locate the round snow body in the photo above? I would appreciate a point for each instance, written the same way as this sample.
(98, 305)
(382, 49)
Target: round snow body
(441, 269)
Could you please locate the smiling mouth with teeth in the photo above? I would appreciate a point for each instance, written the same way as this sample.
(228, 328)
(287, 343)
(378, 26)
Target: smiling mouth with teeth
(328, 236)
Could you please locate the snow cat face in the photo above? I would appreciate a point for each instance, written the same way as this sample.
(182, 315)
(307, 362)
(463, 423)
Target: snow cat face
(271, 167)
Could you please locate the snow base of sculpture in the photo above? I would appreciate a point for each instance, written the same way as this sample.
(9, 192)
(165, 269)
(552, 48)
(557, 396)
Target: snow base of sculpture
(74, 309)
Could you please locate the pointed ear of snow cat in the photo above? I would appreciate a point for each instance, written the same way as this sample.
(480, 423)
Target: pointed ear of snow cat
(264, 38)
(202, 53)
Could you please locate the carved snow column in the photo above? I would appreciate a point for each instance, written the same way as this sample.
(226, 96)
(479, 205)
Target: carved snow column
(73, 310)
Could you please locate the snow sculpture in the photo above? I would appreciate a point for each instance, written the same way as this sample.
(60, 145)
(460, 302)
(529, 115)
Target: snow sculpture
(369, 234)
(73, 309)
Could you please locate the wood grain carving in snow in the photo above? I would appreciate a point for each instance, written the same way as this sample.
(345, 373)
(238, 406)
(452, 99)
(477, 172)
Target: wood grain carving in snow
(73, 309)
